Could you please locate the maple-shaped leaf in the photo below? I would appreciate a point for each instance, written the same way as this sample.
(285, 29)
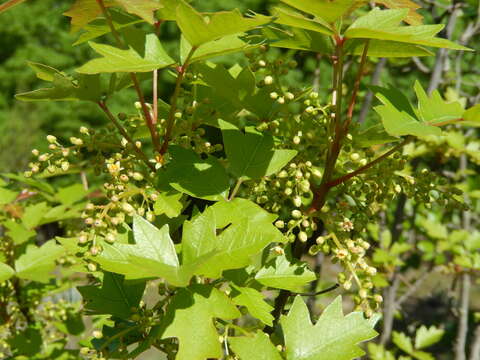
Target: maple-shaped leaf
(334, 336)
(282, 274)
(152, 255)
(254, 301)
(116, 296)
(129, 60)
(413, 17)
(37, 263)
(400, 117)
(63, 87)
(6, 272)
(258, 347)
(327, 10)
(385, 25)
(200, 28)
(142, 8)
(247, 230)
(190, 318)
(83, 12)
(252, 154)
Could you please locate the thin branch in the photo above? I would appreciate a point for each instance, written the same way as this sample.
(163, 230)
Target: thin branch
(324, 291)
(356, 85)
(9, 4)
(124, 133)
(146, 112)
(461, 341)
(364, 168)
(389, 310)
(235, 189)
(369, 97)
(155, 97)
(412, 289)
(173, 103)
(475, 348)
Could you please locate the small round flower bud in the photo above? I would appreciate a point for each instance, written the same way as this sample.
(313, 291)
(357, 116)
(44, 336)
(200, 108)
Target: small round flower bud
(273, 95)
(302, 236)
(280, 224)
(371, 271)
(297, 201)
(313, 95)
(296, 214)
(320, 240)
(347, 285)
(281, 100)
(262, 63)
(84, 130)
(128, 208)
(97, 334)
(65, 165)
(355, 156)
(110, 238)
(278, 250)
(363, 162)
(35, 152)
(43, 157)
(289, 96)
(378, 298)
(268, 80)
(137, 176)
(363, 293)
(150, 216)
(76, 141)
(296, 140)
(91, 267)
(51, 139)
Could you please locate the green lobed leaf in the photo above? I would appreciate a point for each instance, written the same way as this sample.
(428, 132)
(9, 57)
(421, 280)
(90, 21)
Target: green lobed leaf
(116, 296)
(143, 8)
(403, 342)
(252, 155)
(100, 27)
(120, 60)
(327, 10)
(384, 48)
(299, 39)
(168, 11)
(153, 255)
(248, 229)
(426, 337)
(169, 204)
(71, 194)
(333, 337)
(6, 272)
(412, 18)
(290, 18)
(385, 25)
(280, 273)
(190, 318)
(472, 116)
(433, 109)
(189, 174)
(258, 347)
(254, 301)
(200, 28)
(37, 263)
(18, 232)
(7, 196)
(83, 12)
(64, 88)
(399, 117)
